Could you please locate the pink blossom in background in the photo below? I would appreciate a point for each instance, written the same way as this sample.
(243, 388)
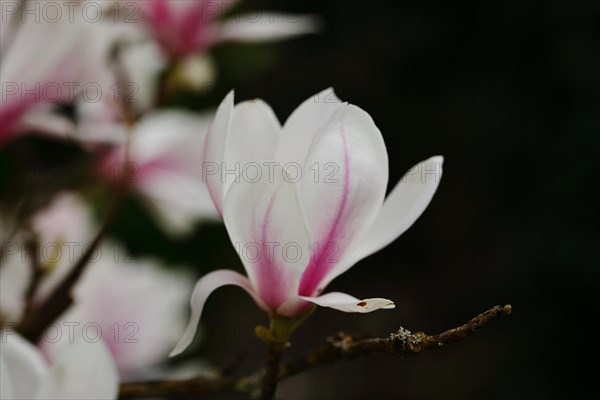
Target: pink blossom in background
(183, 27)
(47, 62)
(331, 221)
(164, 167)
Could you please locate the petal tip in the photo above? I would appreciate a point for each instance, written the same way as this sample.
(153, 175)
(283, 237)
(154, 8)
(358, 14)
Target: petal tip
(229, 97)
(438, 159)
(179, 348)
(389, 306)
(182, 345)
(369, 305)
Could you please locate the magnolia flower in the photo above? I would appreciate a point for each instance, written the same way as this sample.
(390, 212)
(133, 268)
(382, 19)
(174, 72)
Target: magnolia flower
(84, 370)
(163, 167)
(183, 27)
(314, 209)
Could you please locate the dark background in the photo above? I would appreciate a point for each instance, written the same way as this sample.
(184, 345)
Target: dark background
(508, 92)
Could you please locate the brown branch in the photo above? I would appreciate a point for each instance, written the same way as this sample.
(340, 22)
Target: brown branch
(192, 388)
(269, 379)
(343, 347)
(36, 274)
(402, 343)
(38, 319)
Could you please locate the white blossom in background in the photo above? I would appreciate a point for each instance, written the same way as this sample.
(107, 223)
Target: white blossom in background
(115, 290)
(83, 370)
(135, 307)
(165, 168)
(331, 220)
(62, 230)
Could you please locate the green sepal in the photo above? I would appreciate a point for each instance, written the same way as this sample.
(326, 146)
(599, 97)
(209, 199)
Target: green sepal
(281, 328)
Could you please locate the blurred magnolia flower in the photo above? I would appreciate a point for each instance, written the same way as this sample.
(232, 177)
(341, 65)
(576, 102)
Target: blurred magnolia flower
(84, 370)
(136, 307)
(71, 59)
(47, 61)
(322, 192)
(117, 295)
(183, 27)
(62, 231)
(165, 169)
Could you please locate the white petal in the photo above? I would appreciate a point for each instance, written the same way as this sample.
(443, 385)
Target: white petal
(346, 303)
(214, 151)
(402, 207)
(7, 25)
(253, 136)
(304, 124)
(265, 224)
(85, 370)
(179, 201)
(205, 286)
(176, 136)
(142, 64)
(343, 200)
(258, 27)
(6, 389)
(99, 122)
(44, 120)
(26, 368)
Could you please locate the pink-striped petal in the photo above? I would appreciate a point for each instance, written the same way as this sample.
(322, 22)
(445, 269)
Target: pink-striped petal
(344, 192)
(265, 224)
(346, 303)
(205, 286)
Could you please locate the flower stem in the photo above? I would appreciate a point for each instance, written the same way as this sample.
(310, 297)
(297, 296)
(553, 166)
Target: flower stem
(277, 339)
(270, 378)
